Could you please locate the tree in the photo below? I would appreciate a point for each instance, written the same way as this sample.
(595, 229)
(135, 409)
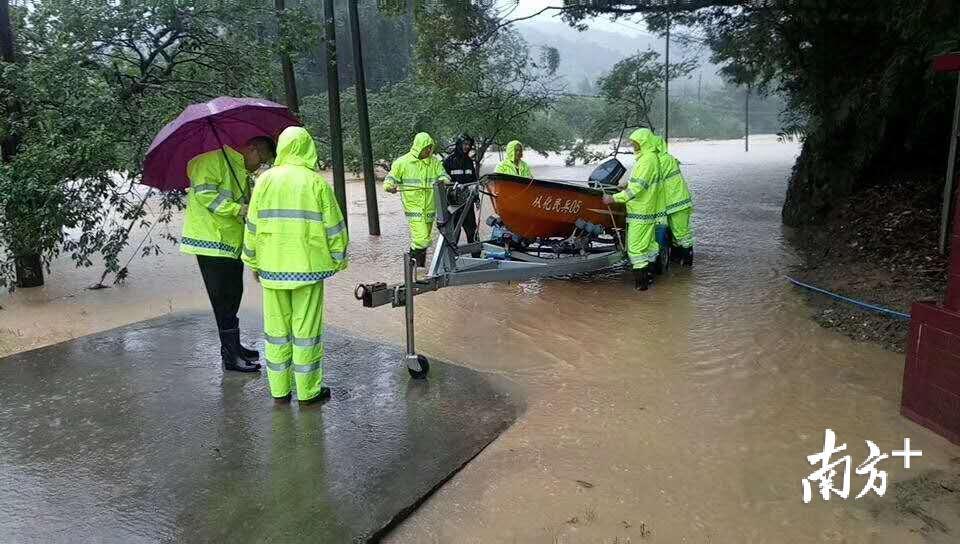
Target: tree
(630, 86)
(491, 83)
(95, 80)
(388, 41)
(496, 88)
(855, 76)
(504, 94)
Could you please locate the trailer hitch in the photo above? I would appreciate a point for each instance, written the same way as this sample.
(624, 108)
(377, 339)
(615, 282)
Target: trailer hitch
(370, 292)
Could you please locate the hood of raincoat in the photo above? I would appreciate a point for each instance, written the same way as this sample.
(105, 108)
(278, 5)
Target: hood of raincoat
(646, 139)
(512, 148)
(458, 144)
(660, 146)
(296, 147)
(420, 142)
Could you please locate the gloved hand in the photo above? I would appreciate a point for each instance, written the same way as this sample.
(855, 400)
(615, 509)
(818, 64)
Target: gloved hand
(391, 190)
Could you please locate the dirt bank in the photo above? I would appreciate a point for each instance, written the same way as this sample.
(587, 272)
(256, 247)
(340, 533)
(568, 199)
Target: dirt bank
(880, 247)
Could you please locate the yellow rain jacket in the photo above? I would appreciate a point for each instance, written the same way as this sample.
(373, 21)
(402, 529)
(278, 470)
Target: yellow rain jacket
(509, 164)
(295, 231)
(414, 178)
(643, 195)
(212, 224)
(676, 193)
(644, 200)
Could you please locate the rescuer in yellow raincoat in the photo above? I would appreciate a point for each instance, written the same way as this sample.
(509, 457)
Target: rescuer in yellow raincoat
(513, 162)
(645, 208)
(413, 176)
(213, 231)
(678, 204)
(295, 239)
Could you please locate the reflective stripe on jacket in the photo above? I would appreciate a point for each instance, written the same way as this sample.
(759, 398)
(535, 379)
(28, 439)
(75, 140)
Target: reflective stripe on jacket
(212, 225)
(295, 232)
(460, 168)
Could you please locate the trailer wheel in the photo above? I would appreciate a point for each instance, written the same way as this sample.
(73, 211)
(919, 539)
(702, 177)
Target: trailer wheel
(424, 369)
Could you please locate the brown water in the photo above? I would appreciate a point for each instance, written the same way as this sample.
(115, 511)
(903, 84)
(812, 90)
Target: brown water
(683, 414)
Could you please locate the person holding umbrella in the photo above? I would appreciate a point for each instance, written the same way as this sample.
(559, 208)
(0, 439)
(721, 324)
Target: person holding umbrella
(213, 231)
(210, 150)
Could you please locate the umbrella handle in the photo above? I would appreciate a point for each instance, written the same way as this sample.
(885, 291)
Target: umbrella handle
(213, 128)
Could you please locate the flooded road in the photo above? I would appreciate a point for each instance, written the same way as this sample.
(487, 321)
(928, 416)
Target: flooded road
(682, 414)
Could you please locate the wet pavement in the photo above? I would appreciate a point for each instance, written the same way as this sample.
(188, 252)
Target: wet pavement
(136, 435)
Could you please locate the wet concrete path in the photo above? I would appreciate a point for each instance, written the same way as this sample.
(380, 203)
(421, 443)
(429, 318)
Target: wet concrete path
(136, 435)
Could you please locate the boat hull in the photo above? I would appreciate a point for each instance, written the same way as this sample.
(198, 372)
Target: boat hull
(534, 208)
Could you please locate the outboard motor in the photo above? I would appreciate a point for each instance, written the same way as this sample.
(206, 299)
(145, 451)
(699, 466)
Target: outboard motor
(589, 228)
(608, 173)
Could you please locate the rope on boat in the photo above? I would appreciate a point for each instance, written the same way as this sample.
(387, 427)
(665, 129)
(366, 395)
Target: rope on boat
(866, 306)
(613, 222)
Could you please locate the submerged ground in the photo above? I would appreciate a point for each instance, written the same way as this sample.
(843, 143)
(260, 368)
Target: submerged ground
(681, 414)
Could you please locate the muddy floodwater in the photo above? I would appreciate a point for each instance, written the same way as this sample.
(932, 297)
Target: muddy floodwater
(682, 414)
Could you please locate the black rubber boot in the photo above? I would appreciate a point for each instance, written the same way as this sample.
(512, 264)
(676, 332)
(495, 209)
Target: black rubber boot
(321, 397)
(687, 257)
(230, 352)
(660, 265)
(421, 256)
(676, 254)
(642, 278)
(249, 355)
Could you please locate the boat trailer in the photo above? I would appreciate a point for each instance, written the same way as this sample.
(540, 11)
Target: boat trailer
(507, 258)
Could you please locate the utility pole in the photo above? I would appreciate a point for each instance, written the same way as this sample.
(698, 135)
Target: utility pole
(746, 125)
(666, 89)
(333, 101)
(366, 149)
(289, 78)
(6, 32)
(700, 88)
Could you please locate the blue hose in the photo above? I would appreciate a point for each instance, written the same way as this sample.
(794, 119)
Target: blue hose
(878, 309)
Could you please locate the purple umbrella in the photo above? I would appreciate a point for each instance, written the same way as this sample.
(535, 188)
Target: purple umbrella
(206, 127)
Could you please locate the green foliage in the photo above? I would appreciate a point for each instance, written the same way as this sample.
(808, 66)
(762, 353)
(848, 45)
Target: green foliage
(388, 40)
(855, 75)
(632, 84)
(93, 83)
(490, 83)
(470, 76)
(583, 117)
(397, 112)
(859, 87)
(580, 152)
